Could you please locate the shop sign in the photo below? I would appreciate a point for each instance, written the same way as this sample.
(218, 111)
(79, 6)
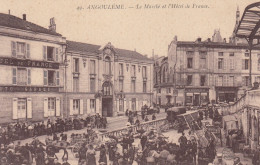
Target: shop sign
(28, 89)
(198, 90)
(28, 63)
(180, 86)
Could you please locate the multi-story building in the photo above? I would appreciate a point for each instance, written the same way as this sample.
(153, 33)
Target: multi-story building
(45, 76)
(206, 71)
(106, 80)
(31, 81)
(198, 72)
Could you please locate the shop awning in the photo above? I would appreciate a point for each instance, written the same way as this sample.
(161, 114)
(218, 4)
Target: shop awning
(249, 24)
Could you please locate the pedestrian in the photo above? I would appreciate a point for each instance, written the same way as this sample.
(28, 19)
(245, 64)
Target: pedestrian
(237, 161)
(143, 141)
(103, 157)
(82, 153)
(91, 159)
(153, 117)
(146, 118)
(126, 112)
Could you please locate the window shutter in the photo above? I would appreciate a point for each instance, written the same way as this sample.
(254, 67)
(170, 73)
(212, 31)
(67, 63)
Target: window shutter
(81, 108)
(45, 107)
(88, 106)
(29, 76)
(97, 106)
(45, 77)
(57, 54)
(71, 107)
(44, 53)
(216, 81)
(13, 48)
(137, 104)
(28, 54)
(124, 105)
(14, 75)
(117, 105)
(57, 106)
(244, 80)
(57, 78)
(15, 108)
(243, 64)
(130, 105)
(29, 108)
(225, 63)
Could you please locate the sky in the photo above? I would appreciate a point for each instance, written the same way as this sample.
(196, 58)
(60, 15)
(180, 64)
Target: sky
(141, 29)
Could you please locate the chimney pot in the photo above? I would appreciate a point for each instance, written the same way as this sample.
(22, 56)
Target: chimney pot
(225, 40)
(24, 17)
(208, 39)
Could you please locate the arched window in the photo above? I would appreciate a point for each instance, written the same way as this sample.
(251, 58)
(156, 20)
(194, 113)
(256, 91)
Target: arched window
(107, 89)
(107, 65)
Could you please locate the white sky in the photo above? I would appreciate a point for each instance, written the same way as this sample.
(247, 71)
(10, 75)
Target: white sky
(140, 29)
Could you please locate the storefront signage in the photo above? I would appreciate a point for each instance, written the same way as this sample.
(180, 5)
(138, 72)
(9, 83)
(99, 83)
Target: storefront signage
(180, 86)
(196, 90)
(226, 88)
(28, 89)
(28, 63)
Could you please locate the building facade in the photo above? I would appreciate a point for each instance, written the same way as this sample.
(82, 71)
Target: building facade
(45, 76)
(206, 71)
(31, 81)
(106, 80)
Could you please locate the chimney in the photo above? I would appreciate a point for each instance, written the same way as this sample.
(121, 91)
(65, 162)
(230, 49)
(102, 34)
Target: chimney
(199, 39)
(24, 17)
(52, 26)
(208, 39)
(224, 40)
(9, 11)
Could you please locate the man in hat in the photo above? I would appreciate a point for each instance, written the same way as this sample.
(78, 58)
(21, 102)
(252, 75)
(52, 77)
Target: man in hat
(237, 161)
(219, 160)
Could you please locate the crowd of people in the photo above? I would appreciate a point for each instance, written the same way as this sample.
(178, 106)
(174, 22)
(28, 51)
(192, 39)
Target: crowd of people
(24, 130)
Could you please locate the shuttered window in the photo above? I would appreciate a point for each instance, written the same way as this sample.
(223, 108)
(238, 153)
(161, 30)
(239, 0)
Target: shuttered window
(29, 76)
(57, 78)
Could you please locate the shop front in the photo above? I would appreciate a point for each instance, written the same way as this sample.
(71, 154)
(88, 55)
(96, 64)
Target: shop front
(226, 94)
(196, 96)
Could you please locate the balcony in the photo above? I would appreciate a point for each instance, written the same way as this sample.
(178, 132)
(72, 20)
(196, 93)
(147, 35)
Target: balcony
(133, 78)
(75, 74)
(121, 77)
(92, 75)
(51, 84)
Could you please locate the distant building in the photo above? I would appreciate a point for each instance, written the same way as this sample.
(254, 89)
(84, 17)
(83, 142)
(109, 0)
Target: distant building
(205, 71)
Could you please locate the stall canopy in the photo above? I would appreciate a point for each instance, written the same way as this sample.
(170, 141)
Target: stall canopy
(230, 122)
(249, 24)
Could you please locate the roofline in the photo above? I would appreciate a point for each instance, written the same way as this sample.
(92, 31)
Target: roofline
(213, 45)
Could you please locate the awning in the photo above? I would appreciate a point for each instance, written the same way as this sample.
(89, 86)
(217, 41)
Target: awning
(249, 25)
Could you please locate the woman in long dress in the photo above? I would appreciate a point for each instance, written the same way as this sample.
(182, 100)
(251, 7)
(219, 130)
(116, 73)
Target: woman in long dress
(91, 159)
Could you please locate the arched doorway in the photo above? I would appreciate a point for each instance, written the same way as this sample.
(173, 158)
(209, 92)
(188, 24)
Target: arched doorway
(107, 99)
